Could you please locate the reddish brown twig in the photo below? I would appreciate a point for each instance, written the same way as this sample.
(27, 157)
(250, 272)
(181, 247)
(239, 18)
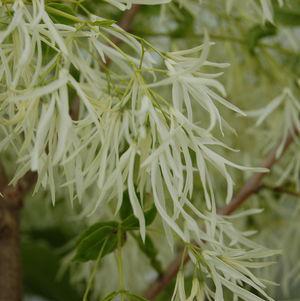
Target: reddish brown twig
(254, 183)
(128, 17)
(250, 187)
(162, 282)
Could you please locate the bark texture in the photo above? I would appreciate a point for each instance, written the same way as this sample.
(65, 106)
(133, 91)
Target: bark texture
(10, 266)
(11, 202)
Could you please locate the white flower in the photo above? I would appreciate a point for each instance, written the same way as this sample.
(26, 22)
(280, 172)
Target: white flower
(228, 257)
(190, 84)
(126, 4)
(129, 139)
(265, 10)
(197, 291)
(289, 107)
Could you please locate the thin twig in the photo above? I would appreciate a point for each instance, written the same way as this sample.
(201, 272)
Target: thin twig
(162, 282)
(254, 183)
(128, 17)
(250, 188)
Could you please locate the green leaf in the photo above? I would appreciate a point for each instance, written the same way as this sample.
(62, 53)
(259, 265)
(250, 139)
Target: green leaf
(131, 222)
(286, 16)
(128, 218)
(111, 296)
(55, 236)
(61, 13)
(258, 32)
(41, 265)
(149, 249)
(103, 23)
(134, 297)
(92, 240)
(128, 294)
(126, 209)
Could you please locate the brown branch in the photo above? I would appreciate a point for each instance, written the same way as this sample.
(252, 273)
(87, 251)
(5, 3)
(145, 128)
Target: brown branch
(250, 188)
(13, 196)
(10, 267)
(254, 183)
(163, 281)
(128, 17)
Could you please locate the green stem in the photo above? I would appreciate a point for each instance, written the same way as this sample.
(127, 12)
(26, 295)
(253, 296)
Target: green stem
(92, 277)
(120, 263)
(63, 14)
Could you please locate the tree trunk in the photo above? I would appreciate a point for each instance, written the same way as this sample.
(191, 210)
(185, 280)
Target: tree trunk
(11, 203)
(10, 265)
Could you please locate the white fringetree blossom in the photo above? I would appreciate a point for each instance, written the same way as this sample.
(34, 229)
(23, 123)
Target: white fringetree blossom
(140, 134)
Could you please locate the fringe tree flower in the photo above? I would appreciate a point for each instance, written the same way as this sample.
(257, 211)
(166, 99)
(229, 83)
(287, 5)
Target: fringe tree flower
(134, 128)
(266, 7)
(153, 131)
(197, 292)
(228, 256)
(189, 83)
(289, 108)
(126, 4)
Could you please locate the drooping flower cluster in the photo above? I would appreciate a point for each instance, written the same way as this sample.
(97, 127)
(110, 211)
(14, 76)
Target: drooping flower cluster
(119, 132)
(288, 106)
(227, 258)
(126, 4)
(266, 7)
(124, 135)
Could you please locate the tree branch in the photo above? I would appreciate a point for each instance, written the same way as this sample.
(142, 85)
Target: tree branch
(10, 267)
(250, 188)
(254, 183)
(128, 17)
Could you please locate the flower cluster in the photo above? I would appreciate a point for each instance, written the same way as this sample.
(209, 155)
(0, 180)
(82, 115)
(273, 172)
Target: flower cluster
(223, 263)
(266, 7)
(287, 105)
(126, 137)
(100, 131)
(126, 4)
